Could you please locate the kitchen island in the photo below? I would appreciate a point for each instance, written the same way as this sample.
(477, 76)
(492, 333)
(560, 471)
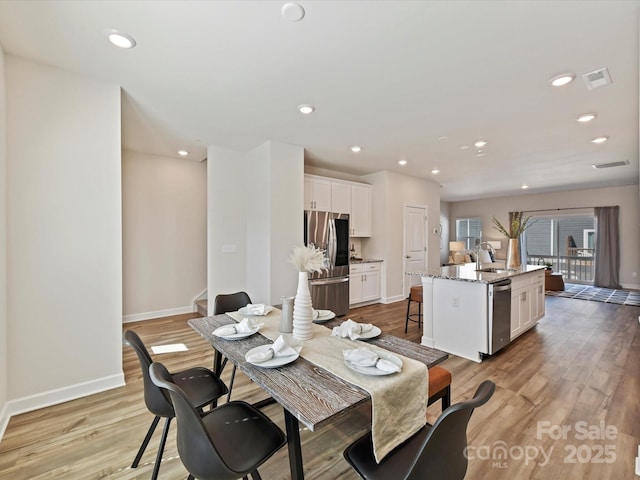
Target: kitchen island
(474, 313)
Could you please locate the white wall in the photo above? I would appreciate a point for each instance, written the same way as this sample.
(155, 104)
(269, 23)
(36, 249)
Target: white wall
(275, 219)
(255, 207)
(164, 234)
(64, 235)
(3, 250)
(391, 192)
(626, 197)
(226, 222)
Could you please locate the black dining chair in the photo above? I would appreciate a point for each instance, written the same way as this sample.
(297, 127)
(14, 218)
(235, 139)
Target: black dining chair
(201, 385)
(436, 451)
(230, 302)
(226, 443)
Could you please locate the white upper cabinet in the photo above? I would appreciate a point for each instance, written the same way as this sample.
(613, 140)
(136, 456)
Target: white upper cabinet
(317, 194)
(360, 218)
(340, 196)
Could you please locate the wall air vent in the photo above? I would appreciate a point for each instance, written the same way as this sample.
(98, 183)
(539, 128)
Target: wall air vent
(597, 78)
(612, 164)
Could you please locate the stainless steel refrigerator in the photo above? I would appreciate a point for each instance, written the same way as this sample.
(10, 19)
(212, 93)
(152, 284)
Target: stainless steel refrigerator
(330, 232)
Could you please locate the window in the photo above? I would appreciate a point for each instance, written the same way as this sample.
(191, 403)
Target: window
(565, 241)
(469, 231)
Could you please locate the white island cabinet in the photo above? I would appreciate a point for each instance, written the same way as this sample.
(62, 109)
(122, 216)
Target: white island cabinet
(461, 317)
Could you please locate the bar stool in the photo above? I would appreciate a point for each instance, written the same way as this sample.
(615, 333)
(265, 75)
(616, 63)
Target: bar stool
(439, 386)
(415, 295)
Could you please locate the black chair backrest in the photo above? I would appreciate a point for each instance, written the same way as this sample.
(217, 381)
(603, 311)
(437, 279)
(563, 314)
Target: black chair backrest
(156, 400)
(197, 452)
(230, 302)
(442, 454)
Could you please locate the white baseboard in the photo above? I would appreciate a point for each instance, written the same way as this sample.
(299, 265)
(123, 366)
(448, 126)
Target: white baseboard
(397, 298)
(59, 395)
(4, 420)
(631, 286)
(136, 317)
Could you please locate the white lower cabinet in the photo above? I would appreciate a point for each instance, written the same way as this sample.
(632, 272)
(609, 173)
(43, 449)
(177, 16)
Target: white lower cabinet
(527, 302)
(364, 282)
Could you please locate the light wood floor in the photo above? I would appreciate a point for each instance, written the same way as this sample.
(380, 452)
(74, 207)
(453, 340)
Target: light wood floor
(580, 364)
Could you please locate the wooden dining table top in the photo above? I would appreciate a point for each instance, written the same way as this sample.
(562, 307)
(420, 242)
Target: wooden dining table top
(310, 393)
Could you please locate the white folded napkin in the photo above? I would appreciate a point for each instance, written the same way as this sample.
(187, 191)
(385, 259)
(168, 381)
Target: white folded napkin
(351, 329)
(245, 326)
(365, 357)
(282, 347)
(258, 308)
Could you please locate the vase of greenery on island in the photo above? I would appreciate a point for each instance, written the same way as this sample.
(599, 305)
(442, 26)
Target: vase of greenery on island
(307, 260)
(518, 225)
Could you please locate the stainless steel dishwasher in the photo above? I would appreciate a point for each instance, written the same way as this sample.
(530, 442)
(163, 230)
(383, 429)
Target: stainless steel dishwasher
(499, 315)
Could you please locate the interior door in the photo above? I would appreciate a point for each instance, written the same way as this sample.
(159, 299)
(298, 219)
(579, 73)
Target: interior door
(415, 244)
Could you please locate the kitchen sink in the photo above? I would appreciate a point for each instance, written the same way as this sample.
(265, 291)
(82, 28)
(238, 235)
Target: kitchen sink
(492, 270)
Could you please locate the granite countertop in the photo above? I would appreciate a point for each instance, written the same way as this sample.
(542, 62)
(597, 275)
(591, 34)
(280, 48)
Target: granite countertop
(466, 272)
(364, 260)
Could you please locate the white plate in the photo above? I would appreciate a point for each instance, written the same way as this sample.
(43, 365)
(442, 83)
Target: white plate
(324, 316)
(245, 311)
(373, 370)
(374, 332)
(236, 336)
(274, 362)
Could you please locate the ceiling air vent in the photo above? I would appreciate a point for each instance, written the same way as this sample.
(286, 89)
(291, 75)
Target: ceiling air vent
(612, 164)
(597, 78)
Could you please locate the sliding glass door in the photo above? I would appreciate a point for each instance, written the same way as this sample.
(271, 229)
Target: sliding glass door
(567, 242)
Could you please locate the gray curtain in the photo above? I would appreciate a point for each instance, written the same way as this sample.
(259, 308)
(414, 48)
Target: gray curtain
(607, 248)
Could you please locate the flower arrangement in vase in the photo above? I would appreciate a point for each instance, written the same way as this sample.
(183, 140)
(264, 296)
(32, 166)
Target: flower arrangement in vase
(519, 223)
(307, 260)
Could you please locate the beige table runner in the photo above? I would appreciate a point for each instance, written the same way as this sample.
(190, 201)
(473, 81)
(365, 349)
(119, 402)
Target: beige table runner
(399, 401)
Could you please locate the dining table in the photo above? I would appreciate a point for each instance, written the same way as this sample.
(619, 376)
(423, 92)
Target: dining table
(308, 393)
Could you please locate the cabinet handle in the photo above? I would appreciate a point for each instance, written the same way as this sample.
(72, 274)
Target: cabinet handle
(523, 296)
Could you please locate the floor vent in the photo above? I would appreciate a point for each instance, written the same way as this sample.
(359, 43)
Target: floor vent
(609, 165)
(597, 78)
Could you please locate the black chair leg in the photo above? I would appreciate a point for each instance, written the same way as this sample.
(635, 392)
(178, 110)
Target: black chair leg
(255, 475)
(446, 398)
(406, 322)
(163, 440)
(233, 377)
(190, 477)
(145, 442)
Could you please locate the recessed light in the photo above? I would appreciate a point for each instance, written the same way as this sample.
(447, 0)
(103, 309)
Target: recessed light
(292, 12)
(601, 139)
(463, 147)
(120, 39)
(435, 171)
(524, 187)
(443, 139)
(564, 79)
(402, 162)
(586, 117)
(356, 149)
(480, 153)
(480, 143)
(183, 153)
(306, 109)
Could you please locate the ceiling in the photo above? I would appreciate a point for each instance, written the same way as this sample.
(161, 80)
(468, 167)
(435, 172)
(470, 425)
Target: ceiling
(411, 80)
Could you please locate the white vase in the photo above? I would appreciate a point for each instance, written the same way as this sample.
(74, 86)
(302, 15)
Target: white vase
(513, 254)
(302, 309)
